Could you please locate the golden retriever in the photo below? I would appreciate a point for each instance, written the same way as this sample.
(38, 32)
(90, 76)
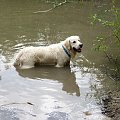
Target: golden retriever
(56, 54)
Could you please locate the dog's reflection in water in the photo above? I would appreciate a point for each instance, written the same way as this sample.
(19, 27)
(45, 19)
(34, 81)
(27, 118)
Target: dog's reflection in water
(62, 75)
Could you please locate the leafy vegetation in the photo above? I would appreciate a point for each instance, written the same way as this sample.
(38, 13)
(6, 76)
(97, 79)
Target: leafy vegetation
(111, 20)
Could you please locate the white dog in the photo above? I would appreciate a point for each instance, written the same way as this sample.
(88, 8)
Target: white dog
(55, 54)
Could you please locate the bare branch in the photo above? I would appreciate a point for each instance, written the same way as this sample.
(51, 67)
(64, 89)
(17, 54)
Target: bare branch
(58, 5)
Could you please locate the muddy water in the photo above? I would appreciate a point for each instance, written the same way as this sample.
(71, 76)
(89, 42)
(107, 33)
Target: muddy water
(46, 92)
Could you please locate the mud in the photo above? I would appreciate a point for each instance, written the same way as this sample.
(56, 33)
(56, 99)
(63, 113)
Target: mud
(111, 105)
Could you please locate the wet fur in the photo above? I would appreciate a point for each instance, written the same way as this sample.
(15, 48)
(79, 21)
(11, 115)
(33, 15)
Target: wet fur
(45, 55)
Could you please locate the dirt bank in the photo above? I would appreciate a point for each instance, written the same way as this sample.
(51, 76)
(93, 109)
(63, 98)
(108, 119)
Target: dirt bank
(111, 105)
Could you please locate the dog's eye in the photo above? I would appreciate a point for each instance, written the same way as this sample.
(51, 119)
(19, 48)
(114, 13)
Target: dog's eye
(74, 41)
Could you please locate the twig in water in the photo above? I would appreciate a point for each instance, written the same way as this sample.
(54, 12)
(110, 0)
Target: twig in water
(16, 103)
(55, 6)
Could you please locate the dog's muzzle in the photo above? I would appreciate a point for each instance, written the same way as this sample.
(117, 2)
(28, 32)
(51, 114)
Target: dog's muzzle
(78, 49)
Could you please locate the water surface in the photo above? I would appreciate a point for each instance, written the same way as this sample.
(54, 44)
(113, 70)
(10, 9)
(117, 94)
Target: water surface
(46, 92)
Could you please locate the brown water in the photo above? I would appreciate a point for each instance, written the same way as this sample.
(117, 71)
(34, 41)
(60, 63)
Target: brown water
(55, 93)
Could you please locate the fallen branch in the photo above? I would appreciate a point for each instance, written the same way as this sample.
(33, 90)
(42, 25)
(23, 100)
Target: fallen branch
(55, 6)
(16, 103)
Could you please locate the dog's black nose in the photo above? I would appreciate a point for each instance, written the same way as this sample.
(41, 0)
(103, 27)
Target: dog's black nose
(81, 45)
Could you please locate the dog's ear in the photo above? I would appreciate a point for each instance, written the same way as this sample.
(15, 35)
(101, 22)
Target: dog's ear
(67, 44)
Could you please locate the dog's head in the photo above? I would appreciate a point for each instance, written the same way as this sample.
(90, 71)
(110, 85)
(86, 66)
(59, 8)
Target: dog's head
(73, 43)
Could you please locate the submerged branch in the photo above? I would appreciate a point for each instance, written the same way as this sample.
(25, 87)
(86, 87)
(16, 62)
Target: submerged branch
(116, 71)
(109, 58)
(55, 6)
(117, 38)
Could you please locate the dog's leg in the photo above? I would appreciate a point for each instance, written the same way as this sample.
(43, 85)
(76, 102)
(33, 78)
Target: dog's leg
(60, 63)
(27, 65)
(59, 66)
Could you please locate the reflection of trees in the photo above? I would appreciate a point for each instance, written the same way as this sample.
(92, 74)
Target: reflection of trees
(62, 75)
(2, 66)
(89, 80)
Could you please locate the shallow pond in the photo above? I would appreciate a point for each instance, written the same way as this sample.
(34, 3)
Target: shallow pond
(46, 92)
